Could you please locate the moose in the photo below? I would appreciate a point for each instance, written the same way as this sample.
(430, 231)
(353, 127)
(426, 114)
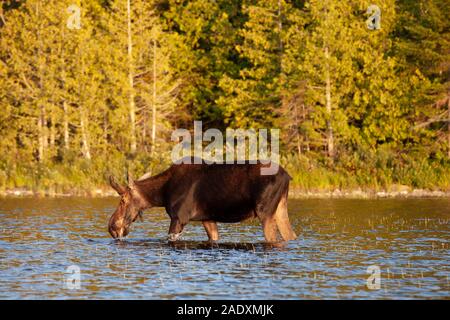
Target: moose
(209, 193)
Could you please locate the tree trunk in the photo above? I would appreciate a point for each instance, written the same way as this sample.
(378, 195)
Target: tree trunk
(144, 129)
(2, 17)
(131, 84)
(448, 125)
(64, 102)
(85, 148)
(52, 131)
(66, 126)
(280, 29)
(42, 123)
(299, 146)
(306, 136)
(40, 137)
(45, 127)
(84, 136)
(105, 131)
(330, 138)
(154, 99)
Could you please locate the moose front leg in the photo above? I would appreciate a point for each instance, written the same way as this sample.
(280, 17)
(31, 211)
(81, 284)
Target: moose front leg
(175, 229)
(211, 230)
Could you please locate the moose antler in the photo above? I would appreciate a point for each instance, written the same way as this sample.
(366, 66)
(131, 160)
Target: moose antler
(112, 181)
(130, 180)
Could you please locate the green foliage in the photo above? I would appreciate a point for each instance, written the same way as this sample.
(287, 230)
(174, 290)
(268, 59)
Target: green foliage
(80, 104)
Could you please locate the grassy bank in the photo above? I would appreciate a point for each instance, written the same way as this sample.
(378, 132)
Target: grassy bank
(380, 174)
(347, 177)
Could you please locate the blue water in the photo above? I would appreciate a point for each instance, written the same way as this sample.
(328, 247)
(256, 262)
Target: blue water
(43, 241)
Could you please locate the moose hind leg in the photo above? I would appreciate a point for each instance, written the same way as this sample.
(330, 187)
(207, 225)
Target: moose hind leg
(270, 229)
(211, 230)
(282, 219)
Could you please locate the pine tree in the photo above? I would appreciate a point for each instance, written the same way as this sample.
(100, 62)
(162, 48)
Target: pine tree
(344, 76)
(253, 97)
(204, 34)
(138, 68)
(422, 44)
(30, 55)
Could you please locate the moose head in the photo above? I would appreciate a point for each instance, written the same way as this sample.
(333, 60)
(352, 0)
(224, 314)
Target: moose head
(131, 206)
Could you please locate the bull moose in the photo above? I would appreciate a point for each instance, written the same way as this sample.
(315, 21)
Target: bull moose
(209, 193)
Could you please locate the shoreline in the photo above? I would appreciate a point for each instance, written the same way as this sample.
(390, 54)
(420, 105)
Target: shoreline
(370, 194)
(294, 193)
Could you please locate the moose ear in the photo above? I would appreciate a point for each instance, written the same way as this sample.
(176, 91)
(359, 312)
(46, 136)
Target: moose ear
(112, 181)
(130, 180)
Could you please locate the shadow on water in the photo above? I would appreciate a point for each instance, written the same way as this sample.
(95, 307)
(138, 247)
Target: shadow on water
(200, 245)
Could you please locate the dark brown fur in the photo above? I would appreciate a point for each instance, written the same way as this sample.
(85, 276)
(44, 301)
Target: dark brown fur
(208, 193)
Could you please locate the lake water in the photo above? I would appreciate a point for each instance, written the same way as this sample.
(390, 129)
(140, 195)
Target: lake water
(403, 242)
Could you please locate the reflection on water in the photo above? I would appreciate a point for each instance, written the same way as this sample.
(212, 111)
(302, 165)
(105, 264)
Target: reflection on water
(338, 240)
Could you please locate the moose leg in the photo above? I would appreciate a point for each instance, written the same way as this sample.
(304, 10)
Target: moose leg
(282, 220)
(175, 229)
(270, 228)
(211, 230)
